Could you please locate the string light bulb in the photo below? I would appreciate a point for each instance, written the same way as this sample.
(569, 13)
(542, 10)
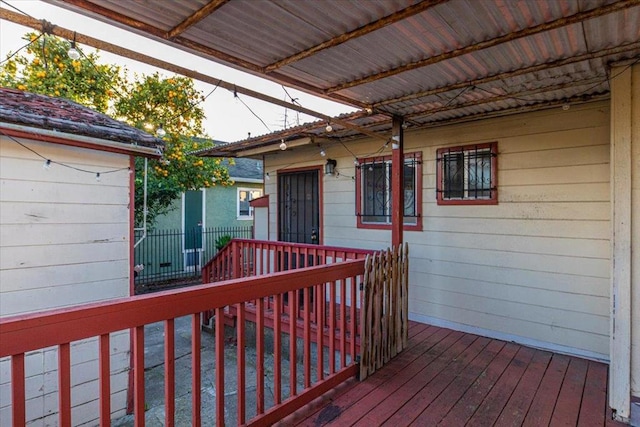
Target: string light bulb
(160, 131)
(266, 176)
(283, 145)
(566, 106)
(47, 164)
(323, 153)
(329, 128)
(98, 176)
(73, 52)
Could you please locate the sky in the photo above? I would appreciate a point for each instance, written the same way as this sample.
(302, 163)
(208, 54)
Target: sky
(227, 120)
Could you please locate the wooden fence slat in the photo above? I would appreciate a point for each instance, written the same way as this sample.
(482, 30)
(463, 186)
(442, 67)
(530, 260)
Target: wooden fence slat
(383, 314)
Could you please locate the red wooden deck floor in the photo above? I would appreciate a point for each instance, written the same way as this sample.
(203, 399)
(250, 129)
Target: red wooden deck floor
(450, 378)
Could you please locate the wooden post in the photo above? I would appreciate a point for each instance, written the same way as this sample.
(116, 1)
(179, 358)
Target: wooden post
(622, 139)
(397, 178)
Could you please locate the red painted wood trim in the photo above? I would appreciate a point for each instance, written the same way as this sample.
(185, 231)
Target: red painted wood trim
(242, 391)
(353, 333)
(17, 390)
(319, 170)
(260, 202)
(397, 174)
(196, 379)
(169, 372)
(260, 356)
(320, 322)
(291, 405)
(332, 327)
(34, 331)
(64, 385)
(293, 357)
(138, 375)
(64, 141)
(104, 377)
(277, 351)
(343, 323)
(219, 366)
(307, 338)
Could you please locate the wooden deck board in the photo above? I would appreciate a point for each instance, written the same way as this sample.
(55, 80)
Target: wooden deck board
(450, 378)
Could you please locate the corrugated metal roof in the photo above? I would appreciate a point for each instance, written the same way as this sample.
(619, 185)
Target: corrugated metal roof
(431, 60)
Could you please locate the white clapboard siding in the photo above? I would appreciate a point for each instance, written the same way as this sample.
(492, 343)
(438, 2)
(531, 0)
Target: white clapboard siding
(534, 268)
(65, 241)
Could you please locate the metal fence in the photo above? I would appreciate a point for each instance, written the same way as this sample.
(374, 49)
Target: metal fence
(169, 255)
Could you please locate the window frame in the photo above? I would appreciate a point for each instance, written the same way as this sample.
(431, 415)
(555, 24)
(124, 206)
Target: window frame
(493, 185)
(249, 190)
(417, 161)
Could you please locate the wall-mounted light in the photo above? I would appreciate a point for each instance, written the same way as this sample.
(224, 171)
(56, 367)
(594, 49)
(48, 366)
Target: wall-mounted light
(330, 167)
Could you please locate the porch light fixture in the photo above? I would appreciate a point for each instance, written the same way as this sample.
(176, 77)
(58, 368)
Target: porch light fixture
(283, 145)
(330, 167)
(73, 52)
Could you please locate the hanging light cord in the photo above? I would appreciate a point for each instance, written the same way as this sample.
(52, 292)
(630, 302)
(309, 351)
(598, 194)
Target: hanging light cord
(53, 162)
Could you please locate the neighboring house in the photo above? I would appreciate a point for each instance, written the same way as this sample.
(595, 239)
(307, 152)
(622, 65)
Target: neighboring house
(66, 193)
(198, 219)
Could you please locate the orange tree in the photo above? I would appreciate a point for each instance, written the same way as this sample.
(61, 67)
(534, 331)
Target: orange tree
(148, 102)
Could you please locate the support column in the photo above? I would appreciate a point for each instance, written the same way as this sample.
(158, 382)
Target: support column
(625, 259)
(397, 181)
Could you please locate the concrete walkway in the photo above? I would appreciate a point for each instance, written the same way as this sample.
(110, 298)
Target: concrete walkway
(154, 377)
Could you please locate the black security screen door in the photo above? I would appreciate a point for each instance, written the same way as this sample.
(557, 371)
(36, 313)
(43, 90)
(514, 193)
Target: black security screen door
(298, 207)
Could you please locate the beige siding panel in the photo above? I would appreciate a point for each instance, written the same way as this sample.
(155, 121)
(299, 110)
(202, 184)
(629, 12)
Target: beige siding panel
(44, 234)
(587, 248)
(556, 175)
(518, 227)
(563, 211)
(539, 262)
(23, 257)
(558, 299)
(57, 275)
(571, 284)
(582, 342)
(55, 192)
(590, 155)
(46, 213)
(594, 192)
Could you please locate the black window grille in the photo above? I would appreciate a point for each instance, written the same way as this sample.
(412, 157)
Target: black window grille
(467, 173)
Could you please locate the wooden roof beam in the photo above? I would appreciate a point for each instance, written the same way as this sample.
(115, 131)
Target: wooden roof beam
(358, 32)
(547, 26)
(196, 17)
(137, 56)
(204, 50)
(526, 70)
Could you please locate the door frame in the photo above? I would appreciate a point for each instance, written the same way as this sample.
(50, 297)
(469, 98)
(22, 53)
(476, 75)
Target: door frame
(319, 169)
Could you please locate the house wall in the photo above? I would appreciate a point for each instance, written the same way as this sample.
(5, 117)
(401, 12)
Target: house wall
(535, 267)
(221, 204)
(65, 241)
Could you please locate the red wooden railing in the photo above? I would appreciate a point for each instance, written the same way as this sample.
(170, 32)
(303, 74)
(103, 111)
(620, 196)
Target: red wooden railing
(338, 281)
(248, 258)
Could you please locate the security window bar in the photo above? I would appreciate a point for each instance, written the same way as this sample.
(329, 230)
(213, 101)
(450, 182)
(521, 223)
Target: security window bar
(375, 191)
(467, 175)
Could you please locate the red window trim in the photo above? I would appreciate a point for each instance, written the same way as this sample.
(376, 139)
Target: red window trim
(493, 146)
(377, 226)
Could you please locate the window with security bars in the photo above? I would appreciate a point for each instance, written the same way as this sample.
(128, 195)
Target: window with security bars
(374, 197)
(467, 175)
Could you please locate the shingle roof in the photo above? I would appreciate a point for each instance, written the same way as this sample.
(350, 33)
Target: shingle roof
(65, 116)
